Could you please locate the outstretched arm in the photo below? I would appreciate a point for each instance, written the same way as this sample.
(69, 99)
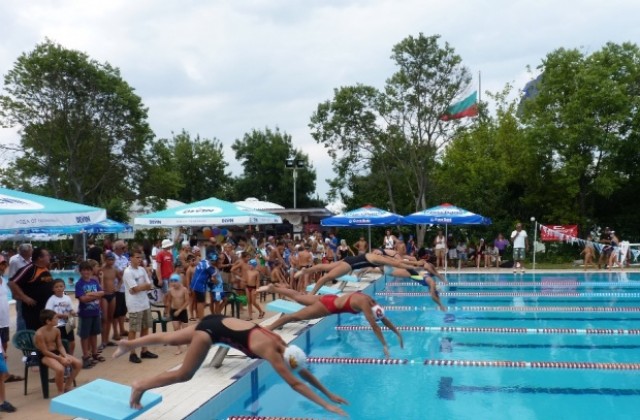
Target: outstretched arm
(278, 365)
(376, 330)
(309, 377)
(431, 269)
(393, 328)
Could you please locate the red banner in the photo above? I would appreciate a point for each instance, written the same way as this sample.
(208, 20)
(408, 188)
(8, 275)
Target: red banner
(558, 233)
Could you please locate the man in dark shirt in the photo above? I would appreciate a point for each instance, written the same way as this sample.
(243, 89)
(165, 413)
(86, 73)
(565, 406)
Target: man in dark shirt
(94, 252)
(32, 285)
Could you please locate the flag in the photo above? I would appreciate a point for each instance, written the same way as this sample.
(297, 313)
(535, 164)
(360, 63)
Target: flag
(468, 107)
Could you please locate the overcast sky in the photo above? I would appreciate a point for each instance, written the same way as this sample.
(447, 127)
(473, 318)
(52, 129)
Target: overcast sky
(223, 68)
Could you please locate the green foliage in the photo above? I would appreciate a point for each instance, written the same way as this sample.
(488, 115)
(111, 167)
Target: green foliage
(83, 129)
(263, 155)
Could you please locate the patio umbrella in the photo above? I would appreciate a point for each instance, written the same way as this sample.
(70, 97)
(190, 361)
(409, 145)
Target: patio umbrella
(209, 212)
(366, 216)
(446, 214)
(20, 212)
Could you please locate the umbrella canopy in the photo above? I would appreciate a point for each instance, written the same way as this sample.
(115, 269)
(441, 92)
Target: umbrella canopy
(446, 214)
(20, 211)
(364, 217)
(105, 226)
(211, 211)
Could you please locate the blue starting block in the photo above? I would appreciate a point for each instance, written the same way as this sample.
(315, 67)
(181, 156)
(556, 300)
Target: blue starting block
(102, 400)
(348, 278)
(325, 290)
(284, 306)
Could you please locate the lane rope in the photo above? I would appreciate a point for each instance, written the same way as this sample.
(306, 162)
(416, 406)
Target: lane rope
(509, 284)
(500, 330)
(598, 309)
(356, 361)
(534, 365)
(513, 294)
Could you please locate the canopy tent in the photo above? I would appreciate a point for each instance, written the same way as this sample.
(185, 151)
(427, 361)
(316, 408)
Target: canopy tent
(446, 214)
(366, 216)
(255, 204)
(105, 226)
(21, 212)
(209, 212)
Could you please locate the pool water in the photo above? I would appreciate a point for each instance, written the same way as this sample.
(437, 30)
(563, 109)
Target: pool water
(590, 327)
(64, 275)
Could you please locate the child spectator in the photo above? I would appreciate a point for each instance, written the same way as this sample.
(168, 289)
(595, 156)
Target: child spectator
(89, 293)
(589, 252)
(461, 248)
(6, 406)
(178, 302)
(136, 284)
(61, 304)
(216, 289)
(54, 355)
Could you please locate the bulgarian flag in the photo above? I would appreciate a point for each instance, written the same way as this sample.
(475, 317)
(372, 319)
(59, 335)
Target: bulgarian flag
(468, 107)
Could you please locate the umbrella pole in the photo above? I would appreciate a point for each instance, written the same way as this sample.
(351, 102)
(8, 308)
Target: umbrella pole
(446, 240)
(369, 227)
(84, 246)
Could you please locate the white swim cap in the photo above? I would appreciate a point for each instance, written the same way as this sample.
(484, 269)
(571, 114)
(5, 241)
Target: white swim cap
(378, 312)
(295, 358)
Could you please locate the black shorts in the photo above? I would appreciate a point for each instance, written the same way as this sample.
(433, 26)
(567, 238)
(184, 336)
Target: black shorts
(69, 336)
(89, 325)
(4, 335)
(201, 297)
(182, 317)
(109, 298)
(121, 305)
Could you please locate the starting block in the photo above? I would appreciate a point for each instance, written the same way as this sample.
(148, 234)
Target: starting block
(284, 306)
(102, 400)
(325, 290)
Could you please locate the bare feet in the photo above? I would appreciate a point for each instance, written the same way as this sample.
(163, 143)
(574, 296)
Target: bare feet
(136, 396)
(123, 348)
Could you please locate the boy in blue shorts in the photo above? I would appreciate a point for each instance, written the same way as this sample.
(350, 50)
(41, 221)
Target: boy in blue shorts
(89, 293)
(4, 374)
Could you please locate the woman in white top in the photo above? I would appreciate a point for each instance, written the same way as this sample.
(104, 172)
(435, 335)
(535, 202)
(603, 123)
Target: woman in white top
(440, 244)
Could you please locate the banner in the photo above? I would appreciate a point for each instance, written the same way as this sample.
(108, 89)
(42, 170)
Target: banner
(555, 233)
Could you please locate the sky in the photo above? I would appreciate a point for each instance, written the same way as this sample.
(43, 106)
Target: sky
(223, 68)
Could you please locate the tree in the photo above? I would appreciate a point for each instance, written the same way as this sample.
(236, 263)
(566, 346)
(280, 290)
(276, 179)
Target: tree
(83, 129)
(263, 155)
(400, 128)
(585, 118)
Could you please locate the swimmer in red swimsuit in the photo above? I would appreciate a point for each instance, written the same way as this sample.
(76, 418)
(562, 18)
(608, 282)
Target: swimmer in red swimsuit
(253, 340)
(319, 306)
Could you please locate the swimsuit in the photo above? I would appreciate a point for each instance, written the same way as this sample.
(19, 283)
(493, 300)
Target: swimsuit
(329, 302)
(110, 297)
(238, 339)
(359, 261)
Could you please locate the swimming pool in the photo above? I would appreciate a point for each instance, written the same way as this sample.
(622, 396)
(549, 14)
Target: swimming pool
(533, 346)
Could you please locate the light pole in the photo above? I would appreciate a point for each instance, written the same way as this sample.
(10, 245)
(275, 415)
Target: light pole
(535, 239)
(294, 165)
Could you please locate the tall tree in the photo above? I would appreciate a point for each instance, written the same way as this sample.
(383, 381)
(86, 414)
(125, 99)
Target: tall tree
(263, 155)
(399, 128)
(585, 116)
(83, 129)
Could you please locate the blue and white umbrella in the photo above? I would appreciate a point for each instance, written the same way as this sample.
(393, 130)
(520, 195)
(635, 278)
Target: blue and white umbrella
(21, 212)
(366, 216)
(446, 214)
(209, 212)
(105, 226)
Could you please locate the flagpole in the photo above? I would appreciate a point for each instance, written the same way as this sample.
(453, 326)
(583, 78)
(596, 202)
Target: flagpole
(479, 86)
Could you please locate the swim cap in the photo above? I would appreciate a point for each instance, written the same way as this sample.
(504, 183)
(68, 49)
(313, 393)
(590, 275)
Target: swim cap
(378, 312)
(295, 358)
(174, 277)
(253, 263)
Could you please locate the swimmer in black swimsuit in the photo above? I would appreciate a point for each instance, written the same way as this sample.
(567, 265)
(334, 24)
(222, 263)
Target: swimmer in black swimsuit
(251, 339)
(340, 268)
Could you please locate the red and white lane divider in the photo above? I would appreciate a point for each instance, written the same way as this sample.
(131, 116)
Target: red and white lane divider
(266, 418)
(356, 361)
(499, 330)
(408, 308)
(533, 365)
(512, 294)
(507, 284)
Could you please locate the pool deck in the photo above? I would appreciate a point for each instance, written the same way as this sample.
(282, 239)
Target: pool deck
(179, 400)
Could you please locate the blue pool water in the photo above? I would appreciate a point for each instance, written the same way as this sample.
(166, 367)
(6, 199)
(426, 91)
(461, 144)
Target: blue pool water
(64, 275)
(417, 391)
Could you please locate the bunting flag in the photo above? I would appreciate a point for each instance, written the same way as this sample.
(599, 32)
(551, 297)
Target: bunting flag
(562, 236)
(468, 107)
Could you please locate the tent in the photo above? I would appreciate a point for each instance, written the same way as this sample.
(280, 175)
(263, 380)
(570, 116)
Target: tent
(21, 212)
(209, 212)
(366, 216)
